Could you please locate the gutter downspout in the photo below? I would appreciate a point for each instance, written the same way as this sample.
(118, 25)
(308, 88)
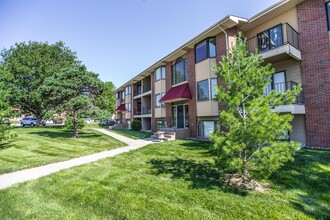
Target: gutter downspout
(226, 36)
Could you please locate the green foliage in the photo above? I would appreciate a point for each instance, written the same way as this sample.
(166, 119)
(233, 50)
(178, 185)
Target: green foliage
(73, 89)
(136, 125)
(26, 66)
(249, 143)
(69, 123)
(107, 100)
(5, 111)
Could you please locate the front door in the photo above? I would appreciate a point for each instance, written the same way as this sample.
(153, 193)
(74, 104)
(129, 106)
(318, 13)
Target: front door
(180, 116)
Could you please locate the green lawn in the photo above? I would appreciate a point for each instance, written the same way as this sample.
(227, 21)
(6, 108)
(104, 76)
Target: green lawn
(132, 134)
(170, 180)
(38, 146)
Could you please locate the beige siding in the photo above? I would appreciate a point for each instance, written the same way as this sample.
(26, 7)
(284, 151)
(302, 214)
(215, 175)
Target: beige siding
(118, 102)
(127, 115)
(160, 112)
(298, 132)
(292, 69)
(289, 17)
(128, 98)
(207, 108)
(160, 86)
(203, 69)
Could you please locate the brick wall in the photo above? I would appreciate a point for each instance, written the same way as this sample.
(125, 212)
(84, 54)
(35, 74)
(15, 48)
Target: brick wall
(153, 104)
(192, 85)
(168, 85)
(314, 46)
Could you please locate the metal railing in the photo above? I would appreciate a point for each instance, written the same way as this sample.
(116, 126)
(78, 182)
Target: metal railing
(146, 110)
(283, 87)
(287, 35)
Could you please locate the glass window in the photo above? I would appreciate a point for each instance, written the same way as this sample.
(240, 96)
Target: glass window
(212, 47)
(275, 35)
(214, 84)
(205, 49)
(179, 71)
(160, 73)
(157, 97)
(163, 72)
(157, 74)
(128, 90)
(208, 128)
(270, 38)
(201, 51)
(203, 90)
(128, 107)
(328, 14)
(263, 41)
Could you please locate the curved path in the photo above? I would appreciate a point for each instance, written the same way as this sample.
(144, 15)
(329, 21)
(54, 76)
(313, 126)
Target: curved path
(9, 179)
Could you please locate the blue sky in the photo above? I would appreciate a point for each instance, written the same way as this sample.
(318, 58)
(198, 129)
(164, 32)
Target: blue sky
(117, 39)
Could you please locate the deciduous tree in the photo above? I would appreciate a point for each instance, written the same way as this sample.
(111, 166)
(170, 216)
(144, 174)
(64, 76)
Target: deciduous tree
(25, 68)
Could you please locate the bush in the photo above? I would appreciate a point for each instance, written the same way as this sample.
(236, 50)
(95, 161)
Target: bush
(136, 125)
(69, 123)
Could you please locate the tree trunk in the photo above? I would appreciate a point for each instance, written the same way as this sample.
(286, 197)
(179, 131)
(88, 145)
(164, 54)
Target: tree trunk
(75, 123)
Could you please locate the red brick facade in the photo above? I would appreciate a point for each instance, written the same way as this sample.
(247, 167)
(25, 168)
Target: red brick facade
(153, 103)
(192, 85)
(314, 47)
(168, 85)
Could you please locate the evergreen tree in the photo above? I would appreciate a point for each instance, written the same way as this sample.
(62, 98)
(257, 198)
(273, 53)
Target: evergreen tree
(249, 143)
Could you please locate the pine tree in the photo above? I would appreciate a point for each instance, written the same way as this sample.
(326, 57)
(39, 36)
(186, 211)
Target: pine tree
(249, 143)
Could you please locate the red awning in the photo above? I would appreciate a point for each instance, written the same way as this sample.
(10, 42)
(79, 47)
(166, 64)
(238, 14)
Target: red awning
(177, 93)
(121, 107)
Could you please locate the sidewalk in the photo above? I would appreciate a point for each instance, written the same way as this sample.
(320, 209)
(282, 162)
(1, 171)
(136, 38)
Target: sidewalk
(9, 179)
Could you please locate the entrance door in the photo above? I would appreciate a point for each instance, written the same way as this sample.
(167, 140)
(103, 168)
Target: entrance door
(180, 116)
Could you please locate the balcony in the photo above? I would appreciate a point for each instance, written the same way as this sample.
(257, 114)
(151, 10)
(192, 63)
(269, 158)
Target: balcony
(297, 107)
(276, 43)
(144, 112)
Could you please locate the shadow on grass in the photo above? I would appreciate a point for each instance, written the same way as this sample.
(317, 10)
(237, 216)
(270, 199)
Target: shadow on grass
(201, 174)
(309, 174)
(64, 134)
(6, 145)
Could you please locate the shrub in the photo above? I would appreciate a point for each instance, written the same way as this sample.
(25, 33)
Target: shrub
(136, 125)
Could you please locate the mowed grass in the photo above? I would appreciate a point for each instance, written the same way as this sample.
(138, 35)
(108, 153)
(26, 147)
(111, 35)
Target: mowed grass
(132, 134)
(173, 180)
(43, 145)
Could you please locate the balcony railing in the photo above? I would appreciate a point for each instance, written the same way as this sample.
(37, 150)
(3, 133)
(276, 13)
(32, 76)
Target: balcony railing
(274, 37)
(139, 90)
(144, 111)
(283, 87)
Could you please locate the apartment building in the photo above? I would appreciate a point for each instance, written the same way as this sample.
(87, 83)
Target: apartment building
(176, 93)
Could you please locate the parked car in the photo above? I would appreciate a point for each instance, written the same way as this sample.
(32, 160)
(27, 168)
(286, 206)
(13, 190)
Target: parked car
(30, 121)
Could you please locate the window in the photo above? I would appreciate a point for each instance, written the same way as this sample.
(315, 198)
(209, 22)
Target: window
(203, 90)
(128, 90)
(214, 84)
(270, 38)
(128, 107)
(160, 73)
(328, 14)
(123, 95)
(179, 71)
(117, 95)
(157, 98)
(205, 49)
(205, 128)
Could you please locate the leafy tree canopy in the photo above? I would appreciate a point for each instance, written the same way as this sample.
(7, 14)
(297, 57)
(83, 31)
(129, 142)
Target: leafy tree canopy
(27, 65)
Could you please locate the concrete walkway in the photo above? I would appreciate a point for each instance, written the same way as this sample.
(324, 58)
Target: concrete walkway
(9, 179)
